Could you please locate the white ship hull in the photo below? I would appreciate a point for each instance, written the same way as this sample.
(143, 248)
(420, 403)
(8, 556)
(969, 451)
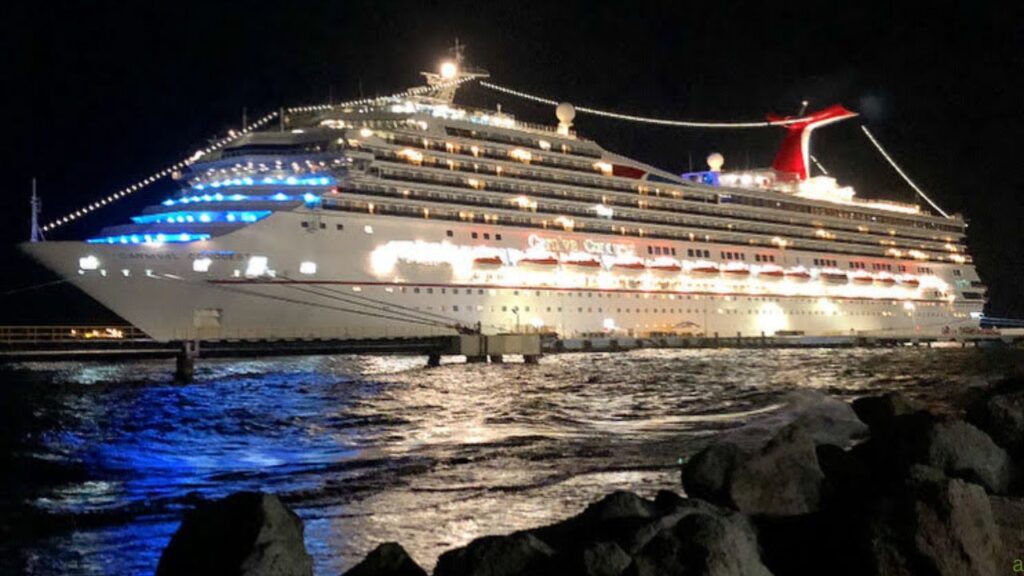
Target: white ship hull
(388, 284)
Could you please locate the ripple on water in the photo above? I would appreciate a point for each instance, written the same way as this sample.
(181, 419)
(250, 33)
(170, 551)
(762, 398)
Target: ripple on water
(369, 449)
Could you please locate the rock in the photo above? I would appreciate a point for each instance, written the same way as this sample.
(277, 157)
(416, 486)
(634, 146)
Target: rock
(961, 450)
(1000, 413)
(604, 559)
(518, 554)
(783, 479)
(827, 420)
(247, 533)
(878, 412)
(708, 474)
(619, 504)
(702, 544)
(952, 529)
(621, 517)
(388, 559)
(1008, 514)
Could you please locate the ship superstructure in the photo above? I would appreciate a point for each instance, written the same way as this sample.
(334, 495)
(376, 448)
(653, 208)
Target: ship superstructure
(414, 215)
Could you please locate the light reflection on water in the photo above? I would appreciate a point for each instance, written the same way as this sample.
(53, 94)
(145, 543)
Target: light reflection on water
(373, 449)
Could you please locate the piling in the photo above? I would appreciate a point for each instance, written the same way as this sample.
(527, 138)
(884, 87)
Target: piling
(185, 362)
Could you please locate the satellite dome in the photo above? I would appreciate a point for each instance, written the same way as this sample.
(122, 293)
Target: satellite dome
(715, 161)
(565, 113)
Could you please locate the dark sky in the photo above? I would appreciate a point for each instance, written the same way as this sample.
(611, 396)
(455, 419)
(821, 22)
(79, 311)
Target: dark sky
(107, 92)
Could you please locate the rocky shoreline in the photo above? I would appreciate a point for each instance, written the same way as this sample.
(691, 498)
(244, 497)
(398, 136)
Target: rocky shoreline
(884, 488)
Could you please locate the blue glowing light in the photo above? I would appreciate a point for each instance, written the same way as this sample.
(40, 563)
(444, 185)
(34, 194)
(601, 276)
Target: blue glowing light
(280, 196)
(204, 217)
(310, 198)
(269, 181)
(159, 238)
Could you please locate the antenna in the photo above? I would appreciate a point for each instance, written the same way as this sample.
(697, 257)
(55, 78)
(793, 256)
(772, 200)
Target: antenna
(37, 209)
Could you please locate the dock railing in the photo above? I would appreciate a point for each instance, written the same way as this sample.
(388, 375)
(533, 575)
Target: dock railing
(43, 334)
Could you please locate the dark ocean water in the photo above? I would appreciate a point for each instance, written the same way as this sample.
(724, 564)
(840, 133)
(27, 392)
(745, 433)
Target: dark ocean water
(100, 461)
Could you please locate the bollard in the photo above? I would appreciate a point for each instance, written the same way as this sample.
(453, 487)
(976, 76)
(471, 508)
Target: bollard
(185, 362)
(433, 360)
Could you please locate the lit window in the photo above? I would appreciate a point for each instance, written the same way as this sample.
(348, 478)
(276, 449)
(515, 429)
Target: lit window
(257, 266)
(201, 264)
(368, 229)
(307, 268)
(89, 263)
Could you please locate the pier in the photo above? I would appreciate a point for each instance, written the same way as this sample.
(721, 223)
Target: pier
(113, 343)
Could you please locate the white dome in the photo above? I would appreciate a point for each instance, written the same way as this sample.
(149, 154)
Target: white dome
(565, 113)
(715, 161)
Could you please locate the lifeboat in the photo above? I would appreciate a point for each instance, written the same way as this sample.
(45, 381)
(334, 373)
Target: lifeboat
(798, 274)
(910, 282)
(583, 264)
(540, 262)
(885, 279)
(665, 267)
(488, 262)
(862, 277)
(736, 270)
(632, 267)
(771, 273)
(833, 275)
(705, 268)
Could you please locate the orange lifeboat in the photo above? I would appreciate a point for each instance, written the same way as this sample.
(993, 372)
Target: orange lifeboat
(665, 267)
(771, 273)
(910, 282)
(543, 262)
(736, 270)
(885, 279)
(833, 275)
(632, 267)
(488, 262)
(705, 268)
(583, 264)
(862, 277)
(798, 274)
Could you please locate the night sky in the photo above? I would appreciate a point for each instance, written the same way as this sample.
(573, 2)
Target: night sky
(108, 92)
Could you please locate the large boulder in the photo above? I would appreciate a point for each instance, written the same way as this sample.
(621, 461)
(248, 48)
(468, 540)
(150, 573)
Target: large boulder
(961, 450)
(514, 555)
(245, 534)
(621, 517)
(603, 559)
(1008, 514)
(878, 412)
(388, 559)
(702, 544)
(940, 525)
(782, 479)
(999, 411)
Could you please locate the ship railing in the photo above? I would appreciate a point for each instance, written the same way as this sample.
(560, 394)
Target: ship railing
(64, 333)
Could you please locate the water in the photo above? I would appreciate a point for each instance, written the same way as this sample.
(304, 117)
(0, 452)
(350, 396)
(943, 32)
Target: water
(102, 460)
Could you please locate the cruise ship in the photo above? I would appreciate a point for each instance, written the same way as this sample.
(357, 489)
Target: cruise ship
(412, 215)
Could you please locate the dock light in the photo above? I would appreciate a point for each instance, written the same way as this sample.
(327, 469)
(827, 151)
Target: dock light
(449, 70)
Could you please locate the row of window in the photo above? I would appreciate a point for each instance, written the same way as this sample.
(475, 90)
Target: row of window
(763, 202)
(826, 262)
(661, 250)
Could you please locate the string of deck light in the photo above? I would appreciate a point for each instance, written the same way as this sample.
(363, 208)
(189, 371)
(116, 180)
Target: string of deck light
(900, 171)
(642, 119)
(72, 216)
(818, 164)
(231, 137)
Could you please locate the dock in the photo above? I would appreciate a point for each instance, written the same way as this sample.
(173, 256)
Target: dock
(114, 343)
